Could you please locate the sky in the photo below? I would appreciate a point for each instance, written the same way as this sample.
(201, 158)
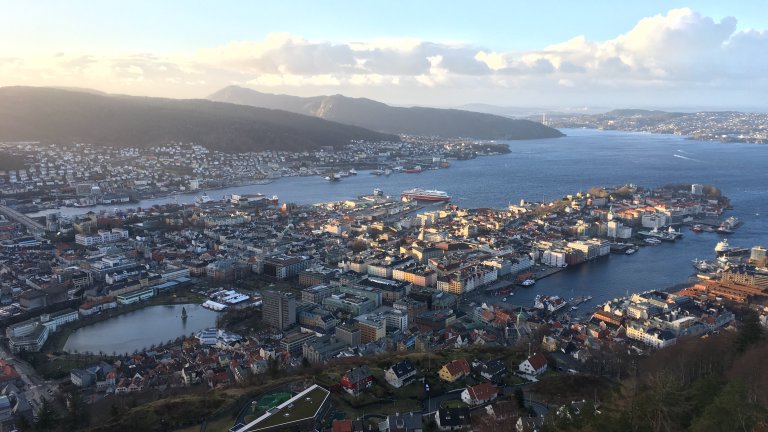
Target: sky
(560, 54)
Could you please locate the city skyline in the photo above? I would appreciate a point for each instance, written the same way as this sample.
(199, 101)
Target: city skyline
(557, 55)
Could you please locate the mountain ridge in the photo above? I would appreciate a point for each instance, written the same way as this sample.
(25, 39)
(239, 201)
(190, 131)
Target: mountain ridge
(378, 116)
(55, 115)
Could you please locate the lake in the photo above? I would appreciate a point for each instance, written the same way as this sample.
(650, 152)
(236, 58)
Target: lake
(138, 330)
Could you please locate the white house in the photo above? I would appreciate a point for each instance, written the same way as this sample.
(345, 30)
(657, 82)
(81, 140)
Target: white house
(534, 365)
(400, 374)
(479, 394)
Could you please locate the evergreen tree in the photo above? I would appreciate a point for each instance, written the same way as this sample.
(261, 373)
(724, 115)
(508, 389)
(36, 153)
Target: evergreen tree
(750, 332)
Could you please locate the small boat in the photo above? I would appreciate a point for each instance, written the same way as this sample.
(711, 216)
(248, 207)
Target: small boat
(630, 251)
(697, 228)
(528, 282)
(183, 312)
(332, 177)
(352, 171)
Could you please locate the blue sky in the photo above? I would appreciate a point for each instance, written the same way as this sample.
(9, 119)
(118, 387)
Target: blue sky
(425, 52)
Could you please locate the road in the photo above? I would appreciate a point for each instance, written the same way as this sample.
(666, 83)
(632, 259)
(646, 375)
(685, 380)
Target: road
(35, 387)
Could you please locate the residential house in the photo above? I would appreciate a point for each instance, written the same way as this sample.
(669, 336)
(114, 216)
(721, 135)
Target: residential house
(479, 394)
(450, 419)
(356, 380)
(407, 422)
(400, 374)
(494, 370)
(454, 370)
(534, 365)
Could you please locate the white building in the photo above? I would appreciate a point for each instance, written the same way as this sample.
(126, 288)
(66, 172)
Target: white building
(102, 236)
(534, 365)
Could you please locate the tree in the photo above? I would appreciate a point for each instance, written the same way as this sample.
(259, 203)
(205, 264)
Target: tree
(520, 397)
(47, 418)
(77, 413)
(730, 411)
(22, 424)
(750, 332)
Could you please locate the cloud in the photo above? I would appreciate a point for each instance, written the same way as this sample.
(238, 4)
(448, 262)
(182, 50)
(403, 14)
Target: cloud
(681, 50)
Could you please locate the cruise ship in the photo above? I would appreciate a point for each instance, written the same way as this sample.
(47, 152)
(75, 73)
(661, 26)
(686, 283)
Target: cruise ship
(425, 195)
(723, 248)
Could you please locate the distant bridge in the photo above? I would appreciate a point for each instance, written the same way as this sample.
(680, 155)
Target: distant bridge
(34, 227)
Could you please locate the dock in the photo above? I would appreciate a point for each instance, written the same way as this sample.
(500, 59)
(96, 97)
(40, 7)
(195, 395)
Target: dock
(546, 271)
(579, 300)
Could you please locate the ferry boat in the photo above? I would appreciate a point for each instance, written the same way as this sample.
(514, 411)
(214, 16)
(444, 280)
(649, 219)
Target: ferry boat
(415, 170)
(673, 232)
(204, 198)
(425, 195)
(660, 235)
(704, 266)
(549, 303)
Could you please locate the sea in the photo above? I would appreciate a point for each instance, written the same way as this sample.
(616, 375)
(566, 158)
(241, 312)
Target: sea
(548, 169)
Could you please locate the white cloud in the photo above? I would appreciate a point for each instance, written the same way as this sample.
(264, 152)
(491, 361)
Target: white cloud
(680, 51)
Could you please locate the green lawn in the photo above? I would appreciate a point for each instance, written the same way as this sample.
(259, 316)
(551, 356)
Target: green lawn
(299, 410)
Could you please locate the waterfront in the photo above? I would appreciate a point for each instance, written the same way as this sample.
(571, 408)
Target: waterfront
(140, 329)
(548, 169)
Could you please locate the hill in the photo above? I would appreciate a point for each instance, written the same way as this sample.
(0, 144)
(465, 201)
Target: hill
(378, 116)
(57, 115)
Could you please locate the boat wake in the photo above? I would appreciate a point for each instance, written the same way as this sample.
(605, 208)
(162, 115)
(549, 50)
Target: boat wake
(687, 158)
(684, 152)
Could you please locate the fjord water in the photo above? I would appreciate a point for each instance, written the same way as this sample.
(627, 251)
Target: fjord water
(550, 168)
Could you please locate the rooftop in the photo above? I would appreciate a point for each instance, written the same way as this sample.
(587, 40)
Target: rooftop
(303, 406)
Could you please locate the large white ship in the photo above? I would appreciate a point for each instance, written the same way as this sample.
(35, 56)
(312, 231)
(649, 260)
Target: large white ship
(425, 195)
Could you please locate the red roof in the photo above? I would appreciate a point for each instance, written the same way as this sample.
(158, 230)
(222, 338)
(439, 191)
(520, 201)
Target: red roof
(538, 361)
(482, 392)
(342, 425)
(458, 366)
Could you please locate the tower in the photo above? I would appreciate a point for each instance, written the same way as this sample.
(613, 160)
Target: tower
(279, 309)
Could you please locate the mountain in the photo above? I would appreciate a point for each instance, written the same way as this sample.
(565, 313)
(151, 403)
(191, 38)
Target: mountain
(377, 116)
(57, 115)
